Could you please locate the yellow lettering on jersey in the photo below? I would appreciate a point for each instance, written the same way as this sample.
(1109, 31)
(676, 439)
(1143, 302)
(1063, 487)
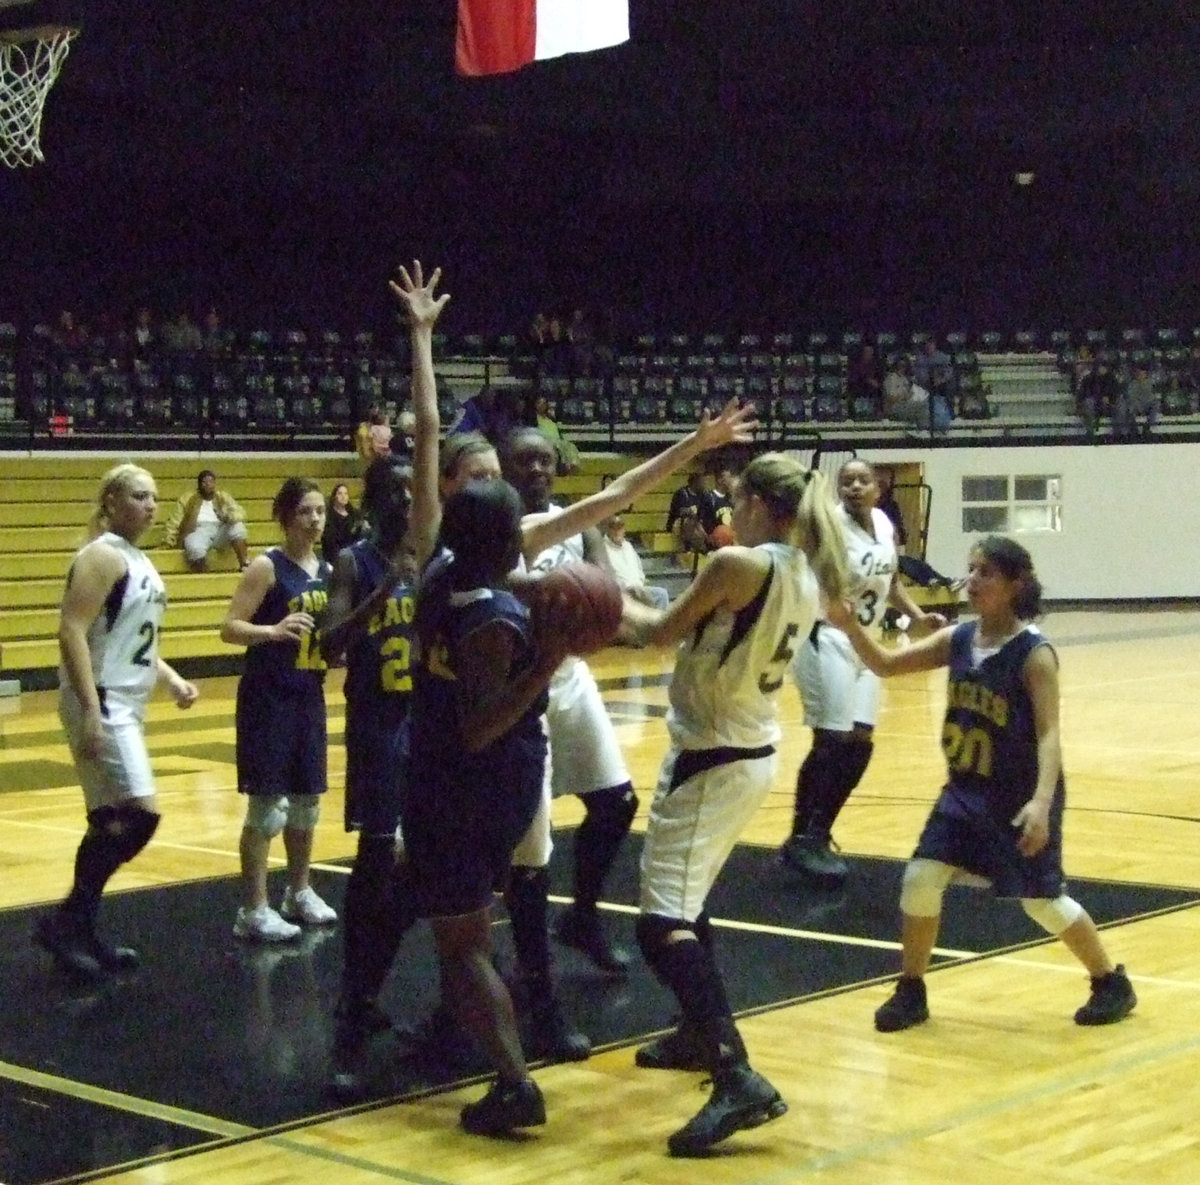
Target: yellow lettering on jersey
(974, 697)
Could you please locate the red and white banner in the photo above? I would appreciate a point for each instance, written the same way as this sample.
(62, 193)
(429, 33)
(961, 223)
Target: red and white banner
(499, 36)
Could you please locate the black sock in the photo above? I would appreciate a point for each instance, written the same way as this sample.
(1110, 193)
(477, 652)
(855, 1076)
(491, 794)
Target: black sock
(598, 840)
(817, 783)
(375, 917)
(849, 765)
(114, 836)
(527, 900)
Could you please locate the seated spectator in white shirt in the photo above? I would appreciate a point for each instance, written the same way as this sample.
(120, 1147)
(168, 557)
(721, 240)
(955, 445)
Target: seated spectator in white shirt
(627, 565)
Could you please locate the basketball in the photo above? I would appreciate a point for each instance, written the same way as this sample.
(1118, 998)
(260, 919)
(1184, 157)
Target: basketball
(579, 599)
(722, 536)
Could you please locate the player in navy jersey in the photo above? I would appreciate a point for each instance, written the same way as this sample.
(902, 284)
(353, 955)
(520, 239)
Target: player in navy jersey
(470, 457)
(280, 714)
(737, 626)
(998, 820)
(111, 614)
(477, 755)
(370, 618)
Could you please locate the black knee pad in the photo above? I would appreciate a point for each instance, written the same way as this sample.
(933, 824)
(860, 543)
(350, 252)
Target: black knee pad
(612, 808)
(653, 931)
(125, 828)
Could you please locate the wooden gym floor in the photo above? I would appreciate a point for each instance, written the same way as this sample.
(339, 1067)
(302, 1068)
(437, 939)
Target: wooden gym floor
(208, 1064)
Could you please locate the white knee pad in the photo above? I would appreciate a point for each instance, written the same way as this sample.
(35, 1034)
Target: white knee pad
(1054, 915)
(266, 814)
(923, 887)
(303, 811)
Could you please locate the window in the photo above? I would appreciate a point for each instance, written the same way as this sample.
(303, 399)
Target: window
(1019, 504)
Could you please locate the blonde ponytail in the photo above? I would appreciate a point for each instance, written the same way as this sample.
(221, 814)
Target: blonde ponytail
(119, 477)
(799, 500)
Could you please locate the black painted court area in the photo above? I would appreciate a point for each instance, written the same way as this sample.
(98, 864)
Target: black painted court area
(240, 1035)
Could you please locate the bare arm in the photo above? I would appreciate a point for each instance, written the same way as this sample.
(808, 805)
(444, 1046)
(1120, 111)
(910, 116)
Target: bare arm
(91, 578)
(900, 598)
(237, 628)
(423, 310)
(182, 692)
(1040, 676)
(927, 654)
(734, 425)
(490, 702)
(730, 580)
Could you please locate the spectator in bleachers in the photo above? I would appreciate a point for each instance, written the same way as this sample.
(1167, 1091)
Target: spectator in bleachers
(582, 337)
(716, 512)
(144, 337)
(69, 336)
(1137, 405)
(568, 454)
(373, 437)
(206, 520)
(933, 371)
(913, 404)
(493, 413)
(343, 524)
(181, 335)
(627, 565)
(864, 383)
(684, 513)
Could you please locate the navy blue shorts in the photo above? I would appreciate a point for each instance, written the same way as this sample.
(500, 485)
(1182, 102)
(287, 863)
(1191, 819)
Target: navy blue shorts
(459, 838)
(985, 846)
(376, 764)
(281, 741)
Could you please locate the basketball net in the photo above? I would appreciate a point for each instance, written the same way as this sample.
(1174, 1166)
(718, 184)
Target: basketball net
(28, 70)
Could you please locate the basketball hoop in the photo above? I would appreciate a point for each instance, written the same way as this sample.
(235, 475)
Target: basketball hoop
(30, 60)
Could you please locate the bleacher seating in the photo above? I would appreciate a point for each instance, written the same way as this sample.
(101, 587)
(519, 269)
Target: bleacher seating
(45, 502)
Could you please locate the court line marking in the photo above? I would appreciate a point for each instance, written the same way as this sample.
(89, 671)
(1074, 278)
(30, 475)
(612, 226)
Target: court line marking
(786, 931)
(873, 1149)
(131, 1104)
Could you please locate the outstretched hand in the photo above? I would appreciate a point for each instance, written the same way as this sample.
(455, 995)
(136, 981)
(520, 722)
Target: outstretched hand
(421, 306)
(734, 424)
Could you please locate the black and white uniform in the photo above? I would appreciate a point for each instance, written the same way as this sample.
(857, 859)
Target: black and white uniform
(836, 688)
(724, 726)
(585, 754)
(123, 644)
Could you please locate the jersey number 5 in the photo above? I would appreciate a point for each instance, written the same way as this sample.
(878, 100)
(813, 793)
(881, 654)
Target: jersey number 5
(771, 680)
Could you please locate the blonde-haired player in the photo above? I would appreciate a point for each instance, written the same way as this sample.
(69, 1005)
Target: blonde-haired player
(737, 626)
(112, 610)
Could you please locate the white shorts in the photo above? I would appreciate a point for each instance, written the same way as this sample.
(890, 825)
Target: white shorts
(837, 691)
(209, 536)
(693, 828)
(121, 772)
(585, 754)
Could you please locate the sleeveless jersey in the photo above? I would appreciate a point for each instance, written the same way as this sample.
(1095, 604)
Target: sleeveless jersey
(379, 660)
(871, 558)
(289, 666)
(729, 672)
(449, 620)
(123, 640)
(989, 737)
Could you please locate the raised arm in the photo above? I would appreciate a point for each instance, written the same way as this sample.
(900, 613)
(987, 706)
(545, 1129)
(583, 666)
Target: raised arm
(734, 425)
(422, 308)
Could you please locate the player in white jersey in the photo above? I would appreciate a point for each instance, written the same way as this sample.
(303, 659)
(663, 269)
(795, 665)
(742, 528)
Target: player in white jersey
(840, 695)
(737, 626)
(470, 457)
(111, 614)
